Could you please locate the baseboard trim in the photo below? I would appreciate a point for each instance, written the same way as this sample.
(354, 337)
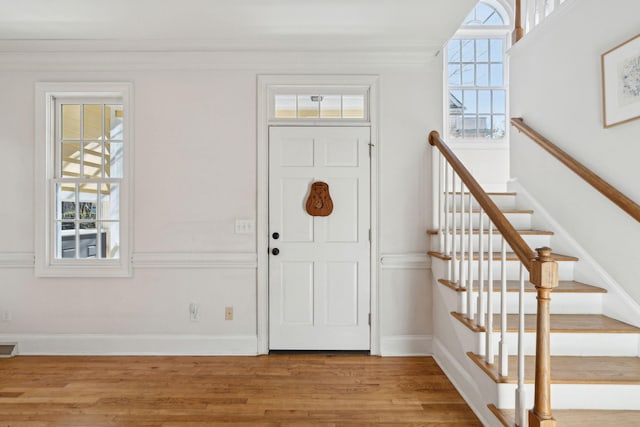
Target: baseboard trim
(406, 345)
(134, 345)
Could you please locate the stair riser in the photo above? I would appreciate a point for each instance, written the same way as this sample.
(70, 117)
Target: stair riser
(577, 396)
(534, 241)
(519, 220)
(565, 270)
(562, 344)
(561, 303)
(502, 201)
(574, 344)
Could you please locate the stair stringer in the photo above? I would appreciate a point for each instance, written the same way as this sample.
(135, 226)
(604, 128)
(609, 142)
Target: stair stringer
(617, 303)
(450, 349)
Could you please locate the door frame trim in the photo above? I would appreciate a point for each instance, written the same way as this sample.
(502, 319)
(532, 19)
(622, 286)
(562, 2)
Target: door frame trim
(264, 85)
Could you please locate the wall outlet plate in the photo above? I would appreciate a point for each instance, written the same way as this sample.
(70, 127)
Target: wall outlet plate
(228, 313)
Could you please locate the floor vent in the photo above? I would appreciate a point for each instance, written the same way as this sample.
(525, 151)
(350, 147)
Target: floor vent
(7, 350)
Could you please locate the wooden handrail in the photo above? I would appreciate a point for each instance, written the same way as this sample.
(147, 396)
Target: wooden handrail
(609, 191)
(543, 274)
(517, 243)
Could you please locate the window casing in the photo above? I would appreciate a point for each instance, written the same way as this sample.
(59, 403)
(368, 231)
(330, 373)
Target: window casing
(83, 188)
(476, 78)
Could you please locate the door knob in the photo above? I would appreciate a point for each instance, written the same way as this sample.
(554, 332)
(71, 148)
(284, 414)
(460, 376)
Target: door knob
(275, 251)
(276, 235)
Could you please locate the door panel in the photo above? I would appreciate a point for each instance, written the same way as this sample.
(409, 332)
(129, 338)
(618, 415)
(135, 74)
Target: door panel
(319, 282)
(342, 294)
(297, 293)
(295, 224)
(342, 224)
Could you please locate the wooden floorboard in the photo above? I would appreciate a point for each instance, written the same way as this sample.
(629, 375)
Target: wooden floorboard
(276, 390)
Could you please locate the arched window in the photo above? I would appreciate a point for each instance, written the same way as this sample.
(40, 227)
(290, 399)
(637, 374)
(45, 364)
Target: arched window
(484, 14)
(476, 76)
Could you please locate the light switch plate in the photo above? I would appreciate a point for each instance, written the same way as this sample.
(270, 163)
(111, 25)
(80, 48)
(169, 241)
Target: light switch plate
(245, 226)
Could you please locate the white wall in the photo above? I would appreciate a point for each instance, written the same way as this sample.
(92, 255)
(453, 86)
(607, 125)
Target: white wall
(556, 88)
(195, 172)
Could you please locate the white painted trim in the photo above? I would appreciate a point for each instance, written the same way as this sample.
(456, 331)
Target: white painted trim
(413, 261)
(406, 345)
(91, 60)
(462, 381)
(45, 264)
(17, 259)
(264, 83)
(539, 29)
(138, 345)
(617, 302)
(202, 46)
(194, 260)
(155, 260)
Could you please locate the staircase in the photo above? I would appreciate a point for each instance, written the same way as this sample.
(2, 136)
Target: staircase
(595, 369)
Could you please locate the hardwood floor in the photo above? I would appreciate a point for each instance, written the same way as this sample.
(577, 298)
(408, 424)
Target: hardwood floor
(276, 390)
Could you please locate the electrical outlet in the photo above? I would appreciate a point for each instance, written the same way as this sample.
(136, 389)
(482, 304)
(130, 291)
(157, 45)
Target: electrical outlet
(194, 312)
(228, 313)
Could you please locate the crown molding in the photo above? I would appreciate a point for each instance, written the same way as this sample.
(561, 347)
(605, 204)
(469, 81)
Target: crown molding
(24, 55)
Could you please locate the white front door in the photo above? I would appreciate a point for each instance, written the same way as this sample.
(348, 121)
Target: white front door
(319, 267)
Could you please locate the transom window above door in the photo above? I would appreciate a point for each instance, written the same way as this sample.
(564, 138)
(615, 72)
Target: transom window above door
(314, 104)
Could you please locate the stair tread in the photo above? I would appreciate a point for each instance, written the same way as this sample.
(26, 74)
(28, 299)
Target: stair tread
(497, 256)
(560, 323)
(564, 286)
(570, 369)
(434, 231)
(504, 211)
(577, 417)
(490, 193)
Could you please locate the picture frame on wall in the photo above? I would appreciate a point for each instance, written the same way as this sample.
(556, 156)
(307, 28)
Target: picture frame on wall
(621, 83)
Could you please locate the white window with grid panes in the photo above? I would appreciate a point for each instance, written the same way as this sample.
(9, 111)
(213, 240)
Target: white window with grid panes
(476, 76)
(83, 224)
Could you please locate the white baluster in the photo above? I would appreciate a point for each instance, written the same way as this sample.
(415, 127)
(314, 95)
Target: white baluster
(481, 299)
(461, 276)
(489, 334)
(453, 264)
(504, 353)
(440, 202)
(521, 411)
(471, 302)
(540, 11)
(531, 14)
(447, 233)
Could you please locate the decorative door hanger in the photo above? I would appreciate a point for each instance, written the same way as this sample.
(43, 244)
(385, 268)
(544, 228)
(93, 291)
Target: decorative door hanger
(319, 202)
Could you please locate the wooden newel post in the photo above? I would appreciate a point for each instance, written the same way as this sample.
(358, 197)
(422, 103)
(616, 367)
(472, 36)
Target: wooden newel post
(544, 276)
(518, 31)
